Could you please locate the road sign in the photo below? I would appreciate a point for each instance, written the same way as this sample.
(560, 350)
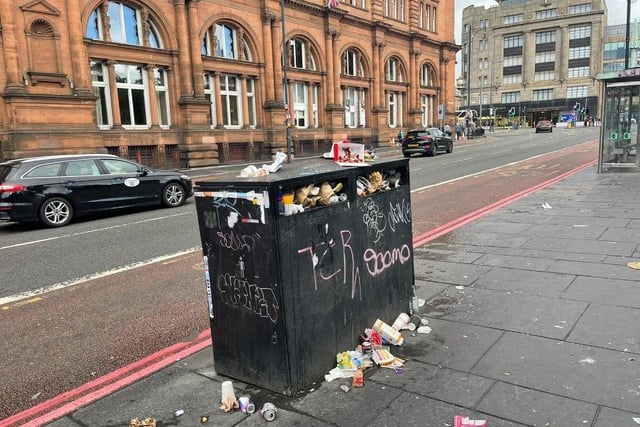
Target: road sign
(441, 111)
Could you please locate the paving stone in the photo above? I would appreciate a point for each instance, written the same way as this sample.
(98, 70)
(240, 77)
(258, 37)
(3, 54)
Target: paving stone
(331, 404)
(608, 417)
(531, 253)
(509, 311)
(485, 225)
(455, 387)
(610, 326)
(482, 239)
(413, 410)
(427, 290)
(580, 246)
(531, 282)
(512, 261)
(605, 271)
(450, 344)
(532, 407)
(621, 235)
(576, 371)
(604, 290)
(566, 231)
(447, 272)
(581, 220)
(426, 252)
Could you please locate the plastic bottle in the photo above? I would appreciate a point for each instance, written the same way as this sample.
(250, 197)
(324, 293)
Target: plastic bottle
(280, 197)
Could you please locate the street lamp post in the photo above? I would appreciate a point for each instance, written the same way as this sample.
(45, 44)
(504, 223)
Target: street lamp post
(285, 83)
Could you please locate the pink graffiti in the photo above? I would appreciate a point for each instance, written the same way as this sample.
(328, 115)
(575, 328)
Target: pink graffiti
(350, 272)
(377, 262)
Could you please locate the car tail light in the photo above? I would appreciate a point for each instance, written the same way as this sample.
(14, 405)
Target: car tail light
(10, 188)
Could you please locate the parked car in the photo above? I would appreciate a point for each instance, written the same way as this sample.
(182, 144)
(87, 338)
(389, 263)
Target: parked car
(544, 126)
(56, 189)
(426, 142)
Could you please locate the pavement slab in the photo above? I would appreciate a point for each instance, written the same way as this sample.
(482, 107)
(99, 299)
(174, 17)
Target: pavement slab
(596, 327)
(447, 272)
(448, 385)
(597, 247)
(507, 311)
(532, 407)
(608, 417)
(610, 291)
(575, 371)
(522, 279)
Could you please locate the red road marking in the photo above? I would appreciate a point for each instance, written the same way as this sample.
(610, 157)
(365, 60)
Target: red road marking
(114, 381)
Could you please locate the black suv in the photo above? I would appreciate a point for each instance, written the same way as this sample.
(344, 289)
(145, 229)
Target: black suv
(426, 142)
(55, 189)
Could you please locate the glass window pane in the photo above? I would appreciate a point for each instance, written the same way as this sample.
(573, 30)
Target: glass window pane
(135, 75)
(116, 24)
(125, 111)
(101, 105)
(92, 26)
(131, 25)
(139, 110)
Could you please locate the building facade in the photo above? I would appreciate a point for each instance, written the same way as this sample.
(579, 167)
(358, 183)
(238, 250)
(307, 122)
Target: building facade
(525, 61)
(187, 83)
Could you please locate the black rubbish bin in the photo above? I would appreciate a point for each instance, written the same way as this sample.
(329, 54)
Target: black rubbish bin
(289, 292)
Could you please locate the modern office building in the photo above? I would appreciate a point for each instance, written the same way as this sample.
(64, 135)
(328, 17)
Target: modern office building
(615, 43)
(523, 61)
(187, 83)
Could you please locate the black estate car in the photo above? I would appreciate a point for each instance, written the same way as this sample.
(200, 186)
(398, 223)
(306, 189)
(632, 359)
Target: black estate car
(426, 142)
(55, 189)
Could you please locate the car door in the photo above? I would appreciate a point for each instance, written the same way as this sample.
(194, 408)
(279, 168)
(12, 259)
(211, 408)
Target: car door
(86, 187)
(131, 184)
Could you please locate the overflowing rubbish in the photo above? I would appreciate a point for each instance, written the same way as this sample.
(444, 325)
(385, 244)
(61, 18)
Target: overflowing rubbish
(401, 321)
(464, 421)
(269, 411)
(358, 379)
(634, 264)
(388, 333)
(147, 422)
(178, 413)
(204, 419)
(424, 330)
(246, 405)
(546, 206)
(253, 171)
(229, 401)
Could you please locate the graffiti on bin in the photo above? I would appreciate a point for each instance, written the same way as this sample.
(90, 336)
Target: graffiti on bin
(321, 260)
(239, 292)
(374, 219)
(399, 214)
(378, 262)
(238, 242)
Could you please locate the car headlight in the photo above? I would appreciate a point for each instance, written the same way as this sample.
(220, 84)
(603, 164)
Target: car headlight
(187, 177)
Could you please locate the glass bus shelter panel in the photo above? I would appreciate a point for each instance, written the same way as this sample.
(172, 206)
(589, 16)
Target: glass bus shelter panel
(620, 141)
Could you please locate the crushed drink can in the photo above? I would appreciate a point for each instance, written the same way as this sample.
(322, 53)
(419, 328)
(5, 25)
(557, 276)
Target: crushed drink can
(268, 411)
(246, 405)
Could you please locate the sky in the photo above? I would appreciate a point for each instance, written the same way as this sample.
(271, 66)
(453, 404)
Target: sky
(616, 14)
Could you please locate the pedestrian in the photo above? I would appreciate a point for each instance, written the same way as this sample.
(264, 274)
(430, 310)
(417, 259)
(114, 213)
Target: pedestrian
(458, 131)
(400, 136)
(447, 129)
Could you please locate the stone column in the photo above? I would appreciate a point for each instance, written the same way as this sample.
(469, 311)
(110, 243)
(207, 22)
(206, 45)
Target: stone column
(217, 98)
(269, 59)
(79, 63)
(196, 57)
(328, 47)
(336, 67)
(245, 101)
(153, 98)
(182, 30)
(15, 84)
(276, 49)
(310, 86)
(115, 102)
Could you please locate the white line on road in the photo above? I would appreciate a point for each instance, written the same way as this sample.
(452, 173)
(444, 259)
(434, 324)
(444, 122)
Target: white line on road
(79, 280)
(457, 161)
(33, 242)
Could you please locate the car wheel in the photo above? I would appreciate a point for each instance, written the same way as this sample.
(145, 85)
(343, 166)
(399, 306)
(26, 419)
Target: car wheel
(433, 150)
(450, 147)
(56, 212)
(173, 195)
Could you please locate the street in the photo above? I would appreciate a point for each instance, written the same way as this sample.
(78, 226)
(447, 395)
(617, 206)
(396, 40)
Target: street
(107, 291)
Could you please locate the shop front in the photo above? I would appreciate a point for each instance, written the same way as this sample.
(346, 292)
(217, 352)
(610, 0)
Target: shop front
(619, 142)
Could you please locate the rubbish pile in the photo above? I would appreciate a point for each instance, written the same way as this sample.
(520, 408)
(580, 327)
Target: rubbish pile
(374, 348)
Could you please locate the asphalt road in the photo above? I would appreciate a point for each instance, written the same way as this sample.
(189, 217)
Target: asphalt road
(123, 287)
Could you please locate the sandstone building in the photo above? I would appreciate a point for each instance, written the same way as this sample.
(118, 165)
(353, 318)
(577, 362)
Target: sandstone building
(187, 83)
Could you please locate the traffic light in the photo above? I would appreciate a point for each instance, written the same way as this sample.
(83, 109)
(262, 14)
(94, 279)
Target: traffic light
(512, 111)
(576, 107)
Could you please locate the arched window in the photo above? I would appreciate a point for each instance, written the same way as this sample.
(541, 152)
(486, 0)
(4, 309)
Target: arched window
(225, 41)
(352, 63)
(300, 56)
(120, 22)
(427, 75)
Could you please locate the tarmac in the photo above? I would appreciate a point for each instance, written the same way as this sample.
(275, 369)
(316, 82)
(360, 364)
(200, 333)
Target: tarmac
(534, 310)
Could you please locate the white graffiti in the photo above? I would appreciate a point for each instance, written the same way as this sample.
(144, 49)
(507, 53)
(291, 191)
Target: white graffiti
(374, 219)
(399, 214)
(238, 292)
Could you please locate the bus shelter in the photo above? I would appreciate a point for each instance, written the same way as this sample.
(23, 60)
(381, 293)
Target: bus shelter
(619, 139)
